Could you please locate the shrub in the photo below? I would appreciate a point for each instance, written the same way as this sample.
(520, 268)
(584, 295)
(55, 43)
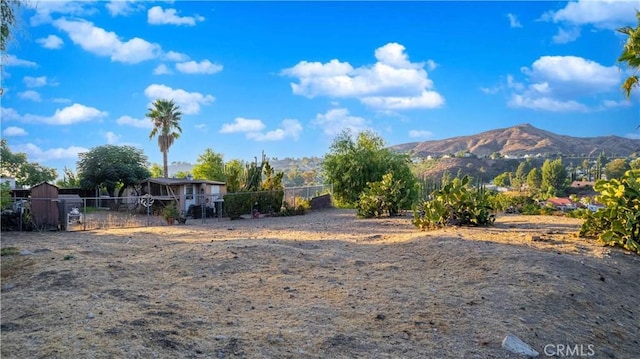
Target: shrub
(454, 204)
(383, 197)
(239, 203)
(619, 223)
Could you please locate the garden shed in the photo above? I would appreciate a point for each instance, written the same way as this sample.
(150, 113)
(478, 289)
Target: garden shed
(44, 206)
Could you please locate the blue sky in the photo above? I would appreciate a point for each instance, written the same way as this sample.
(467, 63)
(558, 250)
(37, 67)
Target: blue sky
(286, 77)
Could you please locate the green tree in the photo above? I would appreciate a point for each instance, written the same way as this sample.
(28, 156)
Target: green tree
(635, 164)
(352, 164)
(616, 168)
(155, 170)
(554, 177)
(520, 177)
(503, 179)
(112, 167)
(234, 171)
(166, 116)
(272, 180)
(210, 166)
(26, 173)
(631, 56)
(69, 179)
(181, 174)
(534, 181)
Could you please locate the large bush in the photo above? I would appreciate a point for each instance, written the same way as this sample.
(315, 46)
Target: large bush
(618, 223)
(239, 203)
(455, 204)
(388, 196)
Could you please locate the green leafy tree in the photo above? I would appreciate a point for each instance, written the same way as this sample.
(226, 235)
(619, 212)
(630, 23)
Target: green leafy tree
(112, 167)
(181, 174)
(635, 164)
(26, 173)
(616, 168)
(234, 171)
(69, 179)
(272, 180)
(353, 163)
(166, 116)
(520, 177)
(631, 56)
(503, 179)
(210, 166)
(554, 177)
(155, 170)
(534, 181)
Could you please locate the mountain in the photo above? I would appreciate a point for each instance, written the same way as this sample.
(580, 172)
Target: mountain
(523, 140)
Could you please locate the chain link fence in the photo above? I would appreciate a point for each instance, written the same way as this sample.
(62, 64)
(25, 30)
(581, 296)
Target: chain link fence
(294, 194)
(75, 213)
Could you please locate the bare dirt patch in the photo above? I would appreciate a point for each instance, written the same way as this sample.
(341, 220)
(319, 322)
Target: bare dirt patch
(317, 286)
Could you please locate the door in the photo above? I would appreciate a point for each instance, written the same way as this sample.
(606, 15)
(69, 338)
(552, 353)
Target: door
(189, 198)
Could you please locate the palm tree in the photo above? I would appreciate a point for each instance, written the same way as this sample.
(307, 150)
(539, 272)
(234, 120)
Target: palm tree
(631, 55)
(166, 117)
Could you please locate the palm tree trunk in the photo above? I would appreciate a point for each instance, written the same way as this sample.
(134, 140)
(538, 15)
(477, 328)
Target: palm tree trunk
(165, 162)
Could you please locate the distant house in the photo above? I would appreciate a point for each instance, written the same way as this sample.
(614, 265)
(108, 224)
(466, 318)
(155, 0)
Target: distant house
(594, 207)
(582, 184)
(562, 203)
(186, 192)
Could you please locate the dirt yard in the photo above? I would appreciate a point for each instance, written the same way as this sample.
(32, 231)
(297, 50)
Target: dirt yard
(323, 285)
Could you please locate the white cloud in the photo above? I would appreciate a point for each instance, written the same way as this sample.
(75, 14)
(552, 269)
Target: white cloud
(546, 104)
(50, 42)
(162, 69)
(14, 131)
(176, 56)
(158, 16)
(111, 138)
(104, 43)
(565, 36)
(44, 10)
(36, 154)
(603, 14)
(30, 81)
(30, 95)
(334, 121)
(189, 102)
(67, 116)
(393, 82)
(12, 60)
(428, 99)
(289, 129)
(558, 83)
(513, 21)
(420, 134)
(614, 104)
(202, 67)
(241, 124)
(122, 7)
(130, 121)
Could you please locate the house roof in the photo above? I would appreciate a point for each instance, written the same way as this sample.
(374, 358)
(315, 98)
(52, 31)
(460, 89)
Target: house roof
(179, 181)
(560, 201)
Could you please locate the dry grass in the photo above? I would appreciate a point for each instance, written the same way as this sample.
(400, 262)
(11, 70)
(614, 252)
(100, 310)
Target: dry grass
(318, 286)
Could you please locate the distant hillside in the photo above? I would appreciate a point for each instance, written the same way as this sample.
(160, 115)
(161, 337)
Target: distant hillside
(523, 140)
